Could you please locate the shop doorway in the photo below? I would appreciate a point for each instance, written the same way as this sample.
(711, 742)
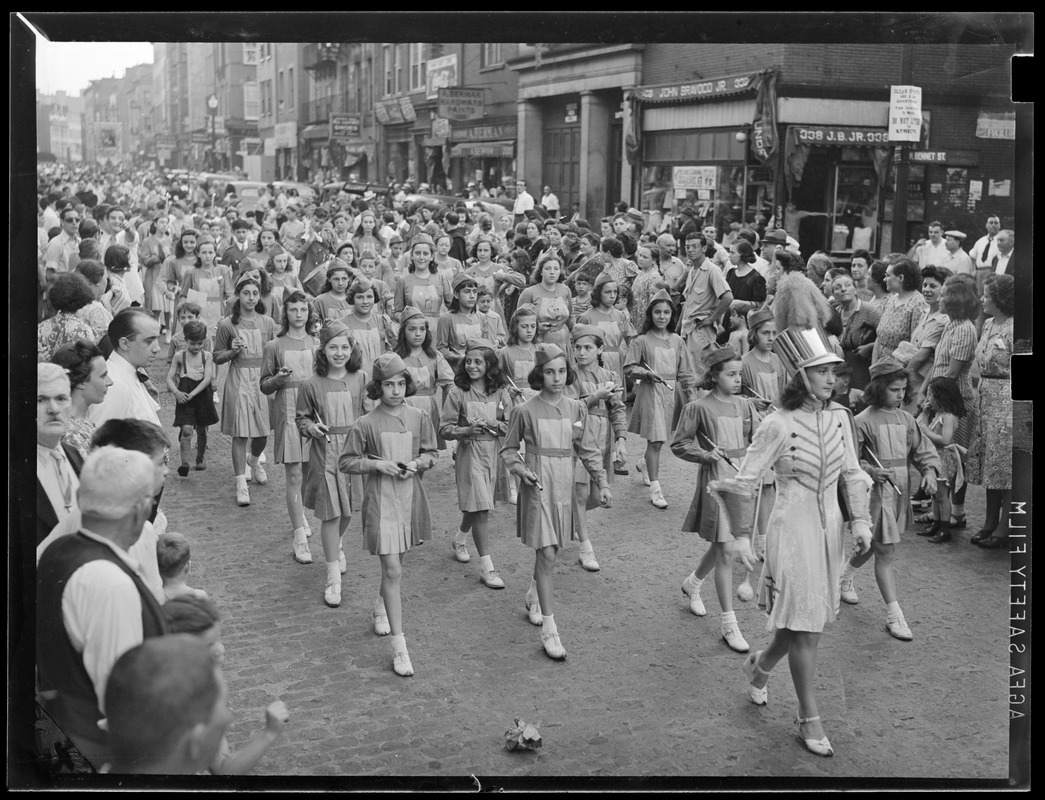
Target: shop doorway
(562, 164)
(613, 187)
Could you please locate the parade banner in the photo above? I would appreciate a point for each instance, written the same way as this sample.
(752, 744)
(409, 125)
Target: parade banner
(108, 141)
(764, 138)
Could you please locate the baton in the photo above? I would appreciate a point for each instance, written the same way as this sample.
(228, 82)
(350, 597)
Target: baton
(871, 455)
(757, 396)
(714, 446)
(653, 376)
(319, 419)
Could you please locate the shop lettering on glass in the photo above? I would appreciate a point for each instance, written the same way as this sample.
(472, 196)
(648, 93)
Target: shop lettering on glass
(693, 178)
(842, 136)
(710, 88)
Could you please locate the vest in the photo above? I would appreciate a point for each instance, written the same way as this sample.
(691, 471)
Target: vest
(60, 667)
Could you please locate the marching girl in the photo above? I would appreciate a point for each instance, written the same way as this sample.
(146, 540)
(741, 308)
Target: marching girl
(444, 263)
(210, 278)
(382, 293)
(429, 371)
(517, 362)
(279, 269)
(615, 324)
(366, 237)
(240, 342)
(714, 431)
(393, 446)
(601, 391)
(660, 363)
(328, 404)
(552, 301)
(371, 330)
(421, 287)
(474, 413)
(332, 302)
(887, 438)
(287, 362)
(762, 377)
(177, 266)
(799, 584)
(462, 323)
(555, 431)
(943, 412)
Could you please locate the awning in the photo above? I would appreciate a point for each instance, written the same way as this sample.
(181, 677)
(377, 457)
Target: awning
(483, 150)
(317, 131)
(697, 91)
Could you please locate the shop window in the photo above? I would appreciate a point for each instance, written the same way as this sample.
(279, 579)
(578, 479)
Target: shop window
(491, 54)
(855, 218)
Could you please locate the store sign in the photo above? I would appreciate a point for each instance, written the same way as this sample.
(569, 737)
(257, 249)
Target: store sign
(571, 112)
(508, 130)
(693, 178)
(840, 136)
(286, 135)
(407, 108)
(200, 137)
(441, 127)
(717, 87)
(388, 112)
(345, 127)
(996, 125)
(905, 113)
(461, 104)
(440, 73)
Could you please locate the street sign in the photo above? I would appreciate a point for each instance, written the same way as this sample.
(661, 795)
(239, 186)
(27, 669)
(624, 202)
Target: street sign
(905, 113)
(200, 137)
(461, 104)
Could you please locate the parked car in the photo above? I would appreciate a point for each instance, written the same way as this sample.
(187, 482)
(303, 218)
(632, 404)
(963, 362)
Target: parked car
(305, 191)
(358, 188)
(492, 206)
(246, 192)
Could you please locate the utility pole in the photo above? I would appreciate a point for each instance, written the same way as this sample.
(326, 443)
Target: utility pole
(903, 169)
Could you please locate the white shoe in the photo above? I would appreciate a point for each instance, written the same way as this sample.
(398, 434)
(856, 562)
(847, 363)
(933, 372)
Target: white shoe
(342, 562)
(460, 552)
(735, 639)
(243, 495)
(588, 561)
(513, 496)
(692, 591)
(401, 664)
(552, 646)
(657, 498)
(745, 592)
(257, 472)
(302, 553)
(848, 592)
(262, 459)
(759, 697)
(381, 626)
(533, 609)
(308, 530)
(642, 472)
(821, 747)
(332, 595)
(491, 579)
(897, 626)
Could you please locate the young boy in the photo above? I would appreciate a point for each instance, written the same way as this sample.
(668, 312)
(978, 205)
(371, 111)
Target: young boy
(738, 333)
(853, 400)
(186, 312)
(582, 297)
(190, 379)
(172, 555)
(492, 324)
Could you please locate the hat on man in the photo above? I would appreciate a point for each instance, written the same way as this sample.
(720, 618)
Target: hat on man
(689, 211)
(956, 234)
(886, 366)
(635, 215)
(718, 355)
(388, 365)
(775, 237)
(546, 353)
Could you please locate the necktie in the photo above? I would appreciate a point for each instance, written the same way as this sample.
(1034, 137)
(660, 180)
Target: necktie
(64, 483)
(987, 250)
(994, 262)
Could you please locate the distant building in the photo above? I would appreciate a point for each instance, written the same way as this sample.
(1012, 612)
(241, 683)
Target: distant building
(59, 128)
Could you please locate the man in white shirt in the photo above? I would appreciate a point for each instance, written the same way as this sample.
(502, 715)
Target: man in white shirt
(1005, 263)
(135, 338)
(721, 257)
(956, 260)
(92, 605)
(671, 266)
(986, 248)
(931, 251)
(523, 201)
(550, 202)
(50, 215)
(65, 244)
(56, 480)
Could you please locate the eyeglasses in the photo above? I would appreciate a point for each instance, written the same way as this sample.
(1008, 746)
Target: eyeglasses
(71, 219)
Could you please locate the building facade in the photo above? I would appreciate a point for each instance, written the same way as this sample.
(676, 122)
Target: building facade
(59, 120)
(282, 87)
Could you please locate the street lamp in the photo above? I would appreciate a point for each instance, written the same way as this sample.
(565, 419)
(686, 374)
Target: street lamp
(212, 109)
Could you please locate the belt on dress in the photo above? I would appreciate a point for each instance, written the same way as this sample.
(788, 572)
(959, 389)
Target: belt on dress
(994, 377)
(551, 452)
(292, 385)
(597, 412)
(738, 452)
(339, 429)
(892, 462)
(247, 363)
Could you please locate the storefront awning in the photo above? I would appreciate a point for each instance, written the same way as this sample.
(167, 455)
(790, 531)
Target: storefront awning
(698, 91)
(318, 131)
(483, 150)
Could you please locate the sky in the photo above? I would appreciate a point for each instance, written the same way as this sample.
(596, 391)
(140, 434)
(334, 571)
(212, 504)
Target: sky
(69, 66)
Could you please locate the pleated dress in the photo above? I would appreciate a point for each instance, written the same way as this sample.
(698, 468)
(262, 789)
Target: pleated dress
(244, 409)
(479, 481)
(288, 445)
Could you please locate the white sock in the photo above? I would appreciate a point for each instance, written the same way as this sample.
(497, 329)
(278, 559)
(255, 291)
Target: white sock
(252, 460)
(694, 580)
(654, 487)
(241, 482)
(300, 535)
(333, 572)
(485, 563)
(729, 619)
(549, 623)
(848, 571)
(461, 537)
(379, 605)
(398, 641)
(586, 546)
(531, 593)
(893, 609)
